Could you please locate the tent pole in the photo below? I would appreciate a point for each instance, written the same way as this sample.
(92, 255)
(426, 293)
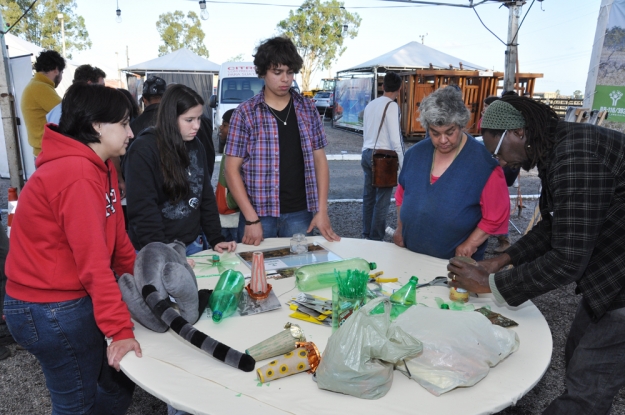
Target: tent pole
(9, 125)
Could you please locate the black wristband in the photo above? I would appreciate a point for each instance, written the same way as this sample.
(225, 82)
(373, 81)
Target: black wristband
(247, 222)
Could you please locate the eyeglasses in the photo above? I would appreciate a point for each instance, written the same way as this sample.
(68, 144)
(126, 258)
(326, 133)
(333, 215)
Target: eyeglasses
(496, 153)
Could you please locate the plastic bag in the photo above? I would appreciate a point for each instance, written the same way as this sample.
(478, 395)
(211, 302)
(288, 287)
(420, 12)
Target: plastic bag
(360, 356)
(458, 347)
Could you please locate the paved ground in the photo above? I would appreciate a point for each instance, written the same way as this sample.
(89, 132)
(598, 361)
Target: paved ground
(22, 386)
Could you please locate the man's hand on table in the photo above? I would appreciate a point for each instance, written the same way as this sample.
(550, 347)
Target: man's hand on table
(253, 234)
(118, 349)
(495, 264)
(473, 278)
(321, 221)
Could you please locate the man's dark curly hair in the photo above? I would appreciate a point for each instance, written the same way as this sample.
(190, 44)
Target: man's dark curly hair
(275, 52)
(88, 73)
(49, 60)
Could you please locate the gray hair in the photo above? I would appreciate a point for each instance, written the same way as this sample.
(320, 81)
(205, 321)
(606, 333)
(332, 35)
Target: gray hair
(443, 107)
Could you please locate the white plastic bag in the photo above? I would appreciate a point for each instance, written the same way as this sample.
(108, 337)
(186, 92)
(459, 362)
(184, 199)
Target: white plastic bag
(458, 347)
(359, 357)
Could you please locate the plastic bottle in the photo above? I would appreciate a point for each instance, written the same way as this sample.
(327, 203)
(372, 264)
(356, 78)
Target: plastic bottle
(316, 276)
(225, 298)
(405, 297)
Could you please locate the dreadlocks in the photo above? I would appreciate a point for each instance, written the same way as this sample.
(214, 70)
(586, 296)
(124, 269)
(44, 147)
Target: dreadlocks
(540, 124)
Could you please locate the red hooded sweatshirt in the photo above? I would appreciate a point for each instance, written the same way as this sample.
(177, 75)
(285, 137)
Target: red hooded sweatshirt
(68, 234)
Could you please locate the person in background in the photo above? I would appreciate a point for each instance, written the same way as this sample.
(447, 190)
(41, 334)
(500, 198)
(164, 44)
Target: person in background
(5, 335)
(39, 96)
(68, 243)
(228, 209)
(170, 196)
(136, 111)
(153, 89)
(276, 168)
(451, 195)
(511, 176)
(375, 201)
(579, 239)
(84, 73)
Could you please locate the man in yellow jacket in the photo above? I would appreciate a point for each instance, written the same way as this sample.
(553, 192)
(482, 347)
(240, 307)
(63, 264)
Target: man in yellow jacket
(39, 96)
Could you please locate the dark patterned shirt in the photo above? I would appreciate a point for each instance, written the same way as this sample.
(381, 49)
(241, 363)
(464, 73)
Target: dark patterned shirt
(581, 237)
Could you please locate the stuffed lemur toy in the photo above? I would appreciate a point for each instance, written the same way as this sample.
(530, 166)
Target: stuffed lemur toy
(162, 271)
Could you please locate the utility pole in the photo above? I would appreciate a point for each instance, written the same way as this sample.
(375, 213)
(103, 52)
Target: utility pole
(514, 8)
(61, 17)
(9, 125)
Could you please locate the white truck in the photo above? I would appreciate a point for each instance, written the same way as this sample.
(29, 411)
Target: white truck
(238, 82)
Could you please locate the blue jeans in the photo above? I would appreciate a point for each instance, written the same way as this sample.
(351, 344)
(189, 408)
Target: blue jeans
(375, 202)
(284, 226)
(71, 349)
(231, 234)
(595, 363)
(198, 245)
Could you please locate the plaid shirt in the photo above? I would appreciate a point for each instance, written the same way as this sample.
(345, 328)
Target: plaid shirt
(253, 136)
(581, 237)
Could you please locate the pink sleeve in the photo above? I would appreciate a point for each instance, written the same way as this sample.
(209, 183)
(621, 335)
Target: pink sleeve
(399, 195)
(495, 203)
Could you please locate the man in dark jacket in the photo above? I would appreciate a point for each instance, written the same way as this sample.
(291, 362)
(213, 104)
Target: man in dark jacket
(153, 90)
(579, 240)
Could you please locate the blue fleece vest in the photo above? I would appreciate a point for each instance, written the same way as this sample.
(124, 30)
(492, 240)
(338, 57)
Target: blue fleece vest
(438, 217)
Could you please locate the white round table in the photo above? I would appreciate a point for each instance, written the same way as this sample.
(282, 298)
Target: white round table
(189, 379)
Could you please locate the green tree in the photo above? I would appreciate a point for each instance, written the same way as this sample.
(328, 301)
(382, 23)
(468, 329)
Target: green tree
(577, 93)
(42, 27)
(178, 31)
(316, 28)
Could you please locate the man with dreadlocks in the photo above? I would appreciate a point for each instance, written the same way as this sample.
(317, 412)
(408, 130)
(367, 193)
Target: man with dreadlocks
(581, 239)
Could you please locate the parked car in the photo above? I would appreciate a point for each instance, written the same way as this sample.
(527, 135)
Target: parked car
(324, 100)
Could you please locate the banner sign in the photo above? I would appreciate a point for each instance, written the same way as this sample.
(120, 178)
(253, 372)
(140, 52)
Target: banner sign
(351, 97)
(609, 92)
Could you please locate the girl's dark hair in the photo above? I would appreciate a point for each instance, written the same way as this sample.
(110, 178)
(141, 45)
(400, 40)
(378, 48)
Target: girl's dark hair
(133, 103)
(540, 126)
(275, 52)
(177, 100)
(84, 104)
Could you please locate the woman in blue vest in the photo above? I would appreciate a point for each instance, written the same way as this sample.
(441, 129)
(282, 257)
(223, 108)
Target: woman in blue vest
(454, 191)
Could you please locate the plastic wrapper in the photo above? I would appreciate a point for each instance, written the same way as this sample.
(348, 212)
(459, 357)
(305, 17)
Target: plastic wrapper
(359, 357)
(458, 348)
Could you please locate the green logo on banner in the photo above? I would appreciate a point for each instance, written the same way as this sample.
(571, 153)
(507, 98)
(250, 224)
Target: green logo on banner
(611, 99)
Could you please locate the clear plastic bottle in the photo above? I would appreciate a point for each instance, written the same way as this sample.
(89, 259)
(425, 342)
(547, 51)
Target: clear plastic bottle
(316, 276)
(225, 298)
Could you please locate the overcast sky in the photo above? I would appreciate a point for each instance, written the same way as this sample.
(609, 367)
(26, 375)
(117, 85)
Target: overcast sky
(556, 38)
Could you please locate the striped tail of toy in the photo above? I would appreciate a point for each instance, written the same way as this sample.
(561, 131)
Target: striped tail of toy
(162, 308)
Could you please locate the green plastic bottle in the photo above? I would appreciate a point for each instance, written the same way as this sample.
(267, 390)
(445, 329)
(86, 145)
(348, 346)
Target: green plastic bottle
(225, 298)
(316, 276)
(405, 297)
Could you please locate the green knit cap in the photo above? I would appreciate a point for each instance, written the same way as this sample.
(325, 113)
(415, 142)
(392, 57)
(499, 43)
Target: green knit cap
(501, 115)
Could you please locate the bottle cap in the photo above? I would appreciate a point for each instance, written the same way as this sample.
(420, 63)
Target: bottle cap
(217, 316)
(444, 306)
(372, 265)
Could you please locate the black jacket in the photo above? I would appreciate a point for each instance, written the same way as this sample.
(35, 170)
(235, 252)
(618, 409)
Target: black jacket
(151, 216)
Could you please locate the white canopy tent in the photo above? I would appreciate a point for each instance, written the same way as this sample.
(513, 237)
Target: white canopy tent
(181, 67)
(182, 60)
(414, 55)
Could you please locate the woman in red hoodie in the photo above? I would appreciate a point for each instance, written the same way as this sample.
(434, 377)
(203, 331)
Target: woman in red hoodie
(68, 244)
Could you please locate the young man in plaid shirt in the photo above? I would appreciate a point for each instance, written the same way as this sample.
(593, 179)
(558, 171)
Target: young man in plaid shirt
(276, 168)
(581, 239)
